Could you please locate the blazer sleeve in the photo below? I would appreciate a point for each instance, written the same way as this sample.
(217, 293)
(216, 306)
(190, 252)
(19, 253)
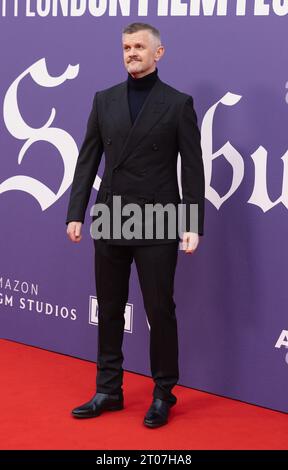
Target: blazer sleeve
(192, 168)
(86, 168)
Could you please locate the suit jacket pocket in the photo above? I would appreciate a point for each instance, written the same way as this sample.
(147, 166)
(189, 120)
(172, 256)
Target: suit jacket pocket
(164, 197)
(102, 195)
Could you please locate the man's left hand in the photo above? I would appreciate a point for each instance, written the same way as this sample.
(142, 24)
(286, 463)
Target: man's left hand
(190, 241)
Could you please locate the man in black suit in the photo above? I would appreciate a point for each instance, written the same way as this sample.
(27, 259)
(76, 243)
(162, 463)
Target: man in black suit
(141, 125)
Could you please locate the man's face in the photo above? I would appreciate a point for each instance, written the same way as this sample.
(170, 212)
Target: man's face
(140, 51)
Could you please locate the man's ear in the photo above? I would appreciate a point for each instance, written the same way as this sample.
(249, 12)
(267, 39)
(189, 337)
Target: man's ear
(159, 53)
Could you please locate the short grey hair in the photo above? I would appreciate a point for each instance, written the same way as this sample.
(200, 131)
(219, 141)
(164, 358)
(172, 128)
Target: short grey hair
(135, 27)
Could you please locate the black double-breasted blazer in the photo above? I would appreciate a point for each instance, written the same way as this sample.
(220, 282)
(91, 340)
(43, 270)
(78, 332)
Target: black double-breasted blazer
(140, 159)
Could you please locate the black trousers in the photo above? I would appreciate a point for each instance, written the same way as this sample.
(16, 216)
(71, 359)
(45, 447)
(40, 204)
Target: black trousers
(156, 266)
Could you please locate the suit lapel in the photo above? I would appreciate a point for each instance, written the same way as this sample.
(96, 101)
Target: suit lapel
(151, 112)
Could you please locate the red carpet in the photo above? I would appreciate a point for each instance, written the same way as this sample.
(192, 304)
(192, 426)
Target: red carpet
(39, 388)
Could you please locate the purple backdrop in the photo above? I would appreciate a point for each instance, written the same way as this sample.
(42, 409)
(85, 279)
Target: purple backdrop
(231, 295)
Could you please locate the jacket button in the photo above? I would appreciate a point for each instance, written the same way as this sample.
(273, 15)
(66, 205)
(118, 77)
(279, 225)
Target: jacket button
(155, 147)
(108, 141)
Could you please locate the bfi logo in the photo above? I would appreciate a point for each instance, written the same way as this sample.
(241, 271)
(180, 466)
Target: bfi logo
(93, 314)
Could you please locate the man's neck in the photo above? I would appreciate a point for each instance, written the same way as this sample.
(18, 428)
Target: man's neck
(142, 74)
(143, 83)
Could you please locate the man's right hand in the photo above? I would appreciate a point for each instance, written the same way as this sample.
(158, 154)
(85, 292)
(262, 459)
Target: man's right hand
(74, 231)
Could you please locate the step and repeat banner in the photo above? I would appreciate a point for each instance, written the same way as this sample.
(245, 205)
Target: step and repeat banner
(231, 295)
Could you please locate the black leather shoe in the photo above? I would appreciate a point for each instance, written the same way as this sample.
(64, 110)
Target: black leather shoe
(99, 403)
(158, 413)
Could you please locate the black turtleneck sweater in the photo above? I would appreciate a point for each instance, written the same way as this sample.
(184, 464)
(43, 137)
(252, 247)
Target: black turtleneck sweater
(138, 90)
